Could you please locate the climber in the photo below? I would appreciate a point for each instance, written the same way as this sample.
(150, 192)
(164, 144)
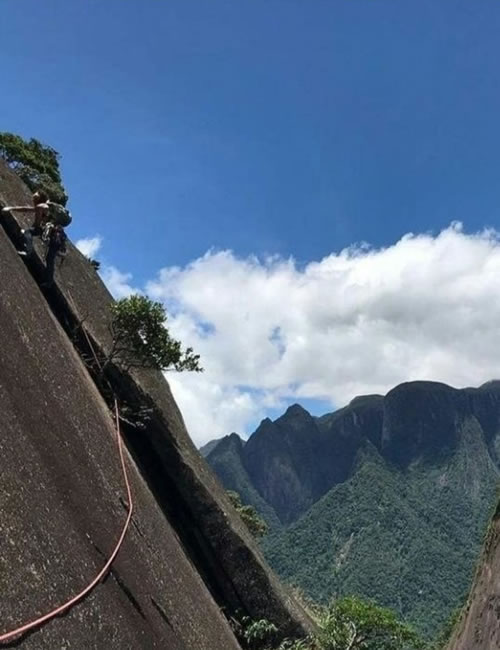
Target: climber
(41, 209)
(54, 237)
(49, 222)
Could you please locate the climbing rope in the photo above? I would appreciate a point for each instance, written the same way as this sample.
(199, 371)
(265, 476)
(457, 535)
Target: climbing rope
(73, 601)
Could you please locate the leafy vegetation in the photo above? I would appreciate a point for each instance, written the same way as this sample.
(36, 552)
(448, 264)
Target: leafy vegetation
(258, 634)
(141, 340)
(407, 540)
(35, 163)
(444, 636)
(354, 624)
(255, 524)
(346, 624)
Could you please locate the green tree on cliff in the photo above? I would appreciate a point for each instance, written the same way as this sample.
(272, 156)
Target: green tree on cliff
(35, 163)
(255, 524)
(141, 340)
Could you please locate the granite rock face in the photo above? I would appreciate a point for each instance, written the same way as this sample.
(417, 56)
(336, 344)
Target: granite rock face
(479, 625)
(186, 560)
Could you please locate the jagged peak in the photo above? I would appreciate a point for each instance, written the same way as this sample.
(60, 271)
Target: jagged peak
(214, 446)
(232, 440)
(265, 427)
(295, 410)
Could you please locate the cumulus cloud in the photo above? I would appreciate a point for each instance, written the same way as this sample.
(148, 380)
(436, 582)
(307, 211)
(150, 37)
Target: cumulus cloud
(356, 322)
(118, 282)
(210, 406)
(89, 246)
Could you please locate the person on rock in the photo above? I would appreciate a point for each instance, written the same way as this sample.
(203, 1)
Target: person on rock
(45, 226)
(41, 209)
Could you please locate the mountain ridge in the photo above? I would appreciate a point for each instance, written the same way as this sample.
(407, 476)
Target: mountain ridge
(373, 413)
(432, 443)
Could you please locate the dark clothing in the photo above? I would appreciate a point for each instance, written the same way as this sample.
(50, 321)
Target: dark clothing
(50, 262)
(55, 244)
(29, 233)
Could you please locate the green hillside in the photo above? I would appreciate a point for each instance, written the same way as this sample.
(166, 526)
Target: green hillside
(414, 483)
(408, 540)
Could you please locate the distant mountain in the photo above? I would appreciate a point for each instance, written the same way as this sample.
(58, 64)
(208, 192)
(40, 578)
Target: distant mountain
(210, 446)
(387, 497)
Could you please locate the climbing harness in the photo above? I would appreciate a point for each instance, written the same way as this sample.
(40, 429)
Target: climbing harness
(75, 599)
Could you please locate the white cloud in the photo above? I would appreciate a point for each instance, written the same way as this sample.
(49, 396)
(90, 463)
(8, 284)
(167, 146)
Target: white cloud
(89, 246)
(117, 282)
(210, 406)
(360, 321)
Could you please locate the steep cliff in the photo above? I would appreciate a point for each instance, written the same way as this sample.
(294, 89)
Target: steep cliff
(479, 626)
(186, 556)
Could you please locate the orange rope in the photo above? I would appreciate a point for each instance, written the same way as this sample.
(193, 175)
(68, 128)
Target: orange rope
(62, 608)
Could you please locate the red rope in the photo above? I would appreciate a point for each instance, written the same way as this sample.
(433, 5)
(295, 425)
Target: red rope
(62, 608)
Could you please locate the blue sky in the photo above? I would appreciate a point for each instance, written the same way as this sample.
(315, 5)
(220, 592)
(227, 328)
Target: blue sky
(266, 127)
